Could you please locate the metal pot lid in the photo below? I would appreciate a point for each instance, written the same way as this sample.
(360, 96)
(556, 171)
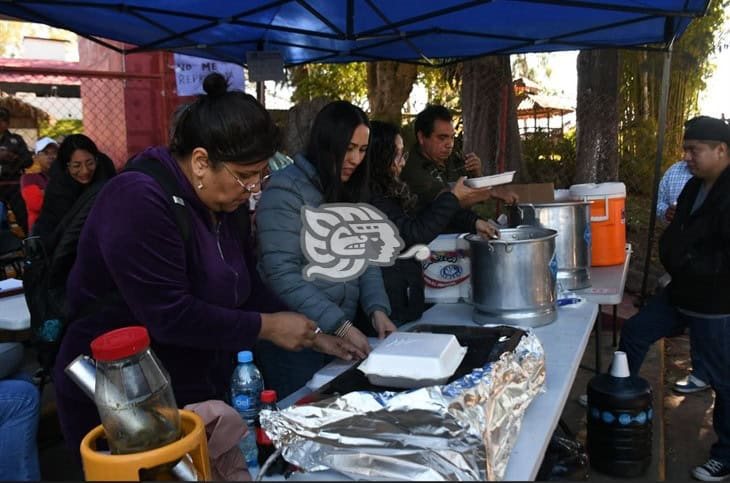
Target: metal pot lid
(521, 234)
(556, 203)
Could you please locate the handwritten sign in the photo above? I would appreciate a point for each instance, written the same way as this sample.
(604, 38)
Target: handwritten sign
(191, 71)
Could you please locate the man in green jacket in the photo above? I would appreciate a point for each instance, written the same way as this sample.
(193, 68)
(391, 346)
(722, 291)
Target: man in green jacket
(433, 164)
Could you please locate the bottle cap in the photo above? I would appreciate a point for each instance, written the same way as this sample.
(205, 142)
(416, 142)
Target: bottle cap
(620, 365)
(245, 356)
(268, 396)
(120, 343)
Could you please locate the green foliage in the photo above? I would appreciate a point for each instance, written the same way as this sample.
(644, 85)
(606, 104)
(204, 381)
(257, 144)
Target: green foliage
(638, 155)
(443, 85)
(61, 128)
(550, 159)
(640, 89)
(334, 81)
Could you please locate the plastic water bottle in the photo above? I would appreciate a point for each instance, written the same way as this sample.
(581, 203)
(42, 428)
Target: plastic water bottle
(250, 452)
(246, 387)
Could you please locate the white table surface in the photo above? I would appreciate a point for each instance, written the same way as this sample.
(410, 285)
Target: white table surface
(14, 313)
(607, 283)
(564, 342)
(10, 284)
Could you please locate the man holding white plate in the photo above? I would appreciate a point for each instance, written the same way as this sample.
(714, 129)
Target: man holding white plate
(432, 164)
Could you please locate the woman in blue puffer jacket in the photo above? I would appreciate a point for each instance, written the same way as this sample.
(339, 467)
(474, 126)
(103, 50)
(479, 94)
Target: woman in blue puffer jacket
(333, 170)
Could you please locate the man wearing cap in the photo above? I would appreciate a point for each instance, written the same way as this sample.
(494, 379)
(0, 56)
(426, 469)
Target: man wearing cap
(695, 251)
(14, 158)
(33, 185)
(670, 186)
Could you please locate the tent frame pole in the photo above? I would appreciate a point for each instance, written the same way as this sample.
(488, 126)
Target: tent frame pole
(661, 128)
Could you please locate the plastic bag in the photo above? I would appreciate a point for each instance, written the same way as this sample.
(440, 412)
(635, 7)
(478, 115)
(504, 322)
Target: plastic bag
(565, 458)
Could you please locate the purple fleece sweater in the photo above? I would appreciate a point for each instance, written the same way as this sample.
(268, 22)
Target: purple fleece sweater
(200, 302)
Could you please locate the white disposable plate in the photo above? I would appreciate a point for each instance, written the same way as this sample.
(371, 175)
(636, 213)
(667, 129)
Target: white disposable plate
(410, 360)
(489, 181)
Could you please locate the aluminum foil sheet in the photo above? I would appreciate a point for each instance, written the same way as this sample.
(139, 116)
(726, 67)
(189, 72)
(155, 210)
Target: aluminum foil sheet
(461, 431)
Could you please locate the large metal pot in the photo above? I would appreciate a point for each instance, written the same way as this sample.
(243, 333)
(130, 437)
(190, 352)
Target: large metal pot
(572, 220)
(513, 277)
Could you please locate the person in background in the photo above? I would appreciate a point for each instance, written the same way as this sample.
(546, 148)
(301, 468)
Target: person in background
(33, 185)
(670, 187)
(199, 295)
(19, 415)
(334, 169)
(78, 165)
(695, 251)
(14, 159)
(404, 280)
(432, 165)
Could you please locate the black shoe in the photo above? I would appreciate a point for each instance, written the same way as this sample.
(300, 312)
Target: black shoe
(713, 470)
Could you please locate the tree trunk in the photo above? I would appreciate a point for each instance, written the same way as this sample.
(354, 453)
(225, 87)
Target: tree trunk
(389, 85)
(485, 83)
(597, 116)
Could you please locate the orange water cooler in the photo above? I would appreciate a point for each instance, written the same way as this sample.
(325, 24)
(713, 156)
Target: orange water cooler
(608, 220)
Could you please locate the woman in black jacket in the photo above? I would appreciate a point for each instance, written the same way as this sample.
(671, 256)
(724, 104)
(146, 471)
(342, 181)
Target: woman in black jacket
(79, 166)
(404, 280)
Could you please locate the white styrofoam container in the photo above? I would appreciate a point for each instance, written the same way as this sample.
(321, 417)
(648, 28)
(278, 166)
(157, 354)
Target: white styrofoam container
(410, 360)
(447, 272)
(334, 369)
(489, 181)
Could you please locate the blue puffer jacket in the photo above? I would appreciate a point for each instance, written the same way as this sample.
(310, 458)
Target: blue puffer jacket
(279, 224)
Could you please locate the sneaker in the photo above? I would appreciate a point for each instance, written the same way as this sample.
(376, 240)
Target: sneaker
(713, 470)
(583, 400)
(690, 384)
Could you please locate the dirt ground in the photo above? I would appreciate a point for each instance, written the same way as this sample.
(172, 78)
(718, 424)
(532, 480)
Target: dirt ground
(682, 427)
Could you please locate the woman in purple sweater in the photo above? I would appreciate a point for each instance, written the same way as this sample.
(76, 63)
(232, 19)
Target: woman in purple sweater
(199, 297)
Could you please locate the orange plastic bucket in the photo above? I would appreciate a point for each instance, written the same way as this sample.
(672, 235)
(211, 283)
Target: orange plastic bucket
(608, 220)
(99, 466)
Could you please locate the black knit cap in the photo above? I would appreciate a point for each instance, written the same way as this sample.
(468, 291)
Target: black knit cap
(705, 128)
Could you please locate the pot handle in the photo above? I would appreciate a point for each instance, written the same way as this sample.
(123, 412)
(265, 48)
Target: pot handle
(603, 217)
(523, 207)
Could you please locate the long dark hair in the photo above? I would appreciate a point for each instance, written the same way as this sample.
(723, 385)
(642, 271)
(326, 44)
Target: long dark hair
(63, 191)
(231, 125)
(328, 141)
(382, 154)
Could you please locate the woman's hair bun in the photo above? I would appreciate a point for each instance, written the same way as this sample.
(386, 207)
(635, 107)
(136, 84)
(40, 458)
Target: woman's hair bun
(215, 85)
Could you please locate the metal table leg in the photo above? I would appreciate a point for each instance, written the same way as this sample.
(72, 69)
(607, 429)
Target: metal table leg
(615, 325)
(599, 321)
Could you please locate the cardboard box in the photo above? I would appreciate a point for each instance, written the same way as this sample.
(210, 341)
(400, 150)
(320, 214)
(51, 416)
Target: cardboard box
(534, 192)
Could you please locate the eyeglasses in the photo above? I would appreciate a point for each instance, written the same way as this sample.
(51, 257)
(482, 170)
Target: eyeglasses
(76, 166)
(251, 187)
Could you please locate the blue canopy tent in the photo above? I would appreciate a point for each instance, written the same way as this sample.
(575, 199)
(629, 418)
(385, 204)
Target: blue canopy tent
(422, 31)
(360, 30)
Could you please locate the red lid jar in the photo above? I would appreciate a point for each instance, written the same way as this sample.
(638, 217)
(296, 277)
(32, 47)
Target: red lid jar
(120, 343)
